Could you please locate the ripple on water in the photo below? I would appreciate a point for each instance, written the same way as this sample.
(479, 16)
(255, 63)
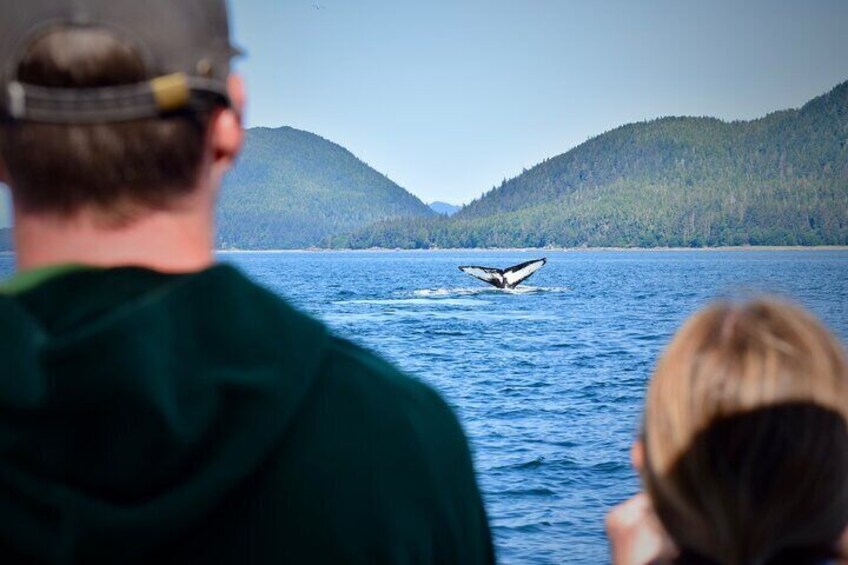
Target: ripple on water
(442, 302)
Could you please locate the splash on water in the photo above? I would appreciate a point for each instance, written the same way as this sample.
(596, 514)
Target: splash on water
(447, 292)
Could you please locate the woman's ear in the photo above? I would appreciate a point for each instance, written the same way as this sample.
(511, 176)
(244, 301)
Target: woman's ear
(637, 455)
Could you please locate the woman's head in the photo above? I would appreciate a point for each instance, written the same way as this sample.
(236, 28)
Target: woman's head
(746, 435)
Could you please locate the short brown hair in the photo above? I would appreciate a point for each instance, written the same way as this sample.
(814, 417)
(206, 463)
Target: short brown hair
(114, 168)
(746, 436)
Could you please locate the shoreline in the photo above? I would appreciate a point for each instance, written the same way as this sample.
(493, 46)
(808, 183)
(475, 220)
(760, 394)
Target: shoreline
(738, 249)
(741, 248)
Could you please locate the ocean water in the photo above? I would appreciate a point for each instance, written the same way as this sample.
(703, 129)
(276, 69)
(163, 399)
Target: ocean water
(547, 379)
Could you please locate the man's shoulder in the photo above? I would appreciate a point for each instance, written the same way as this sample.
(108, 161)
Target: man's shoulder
(388, 464)
(366, 378)
(361, 380)
(355, 395)
(372, 370)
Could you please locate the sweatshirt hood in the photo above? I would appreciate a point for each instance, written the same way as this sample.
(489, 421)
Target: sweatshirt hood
(133, 401)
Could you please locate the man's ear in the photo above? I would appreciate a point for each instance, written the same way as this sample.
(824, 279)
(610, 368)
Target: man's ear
(226, 132)
(238, 94)
(637, 455)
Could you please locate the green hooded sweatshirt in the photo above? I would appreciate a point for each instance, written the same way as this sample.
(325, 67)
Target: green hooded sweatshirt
(158, 418)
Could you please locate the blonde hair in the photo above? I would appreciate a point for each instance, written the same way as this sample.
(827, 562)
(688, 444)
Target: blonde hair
(746, 434)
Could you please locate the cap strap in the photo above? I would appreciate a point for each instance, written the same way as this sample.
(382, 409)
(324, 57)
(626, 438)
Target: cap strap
(149, 99)
(171, 91)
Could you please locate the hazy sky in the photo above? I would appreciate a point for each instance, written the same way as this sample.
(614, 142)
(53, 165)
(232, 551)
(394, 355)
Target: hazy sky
(448, 97)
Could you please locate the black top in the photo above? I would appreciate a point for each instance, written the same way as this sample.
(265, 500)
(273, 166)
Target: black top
(198, 418)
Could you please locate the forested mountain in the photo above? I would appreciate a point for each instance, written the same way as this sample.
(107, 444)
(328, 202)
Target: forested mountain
(444, 208)
(293, 189)
(778, 180)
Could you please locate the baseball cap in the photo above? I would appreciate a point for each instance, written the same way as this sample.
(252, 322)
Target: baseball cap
(184, 45)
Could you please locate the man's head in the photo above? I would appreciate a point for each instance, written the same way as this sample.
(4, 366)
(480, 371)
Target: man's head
(114, 106)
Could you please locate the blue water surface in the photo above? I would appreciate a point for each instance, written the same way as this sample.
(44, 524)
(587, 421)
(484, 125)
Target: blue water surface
(548, 379)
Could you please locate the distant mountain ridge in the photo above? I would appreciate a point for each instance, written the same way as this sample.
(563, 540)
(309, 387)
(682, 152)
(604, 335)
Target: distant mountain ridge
(778, 180)
(444, 208)
(294, 189)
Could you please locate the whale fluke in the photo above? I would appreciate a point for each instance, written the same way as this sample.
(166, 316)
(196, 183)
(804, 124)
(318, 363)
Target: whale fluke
(505, 278)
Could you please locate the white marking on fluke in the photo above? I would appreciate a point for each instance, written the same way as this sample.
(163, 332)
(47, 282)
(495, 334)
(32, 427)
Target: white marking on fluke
(505, 278)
